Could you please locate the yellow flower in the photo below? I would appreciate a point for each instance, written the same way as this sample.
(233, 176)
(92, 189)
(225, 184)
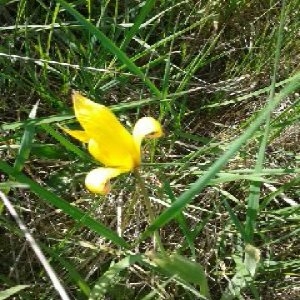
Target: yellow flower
(109, 142)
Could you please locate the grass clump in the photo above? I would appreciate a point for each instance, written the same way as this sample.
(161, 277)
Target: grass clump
(223, 183)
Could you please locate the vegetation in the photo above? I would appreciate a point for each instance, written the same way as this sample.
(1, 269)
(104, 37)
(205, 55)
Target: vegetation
(223, 79)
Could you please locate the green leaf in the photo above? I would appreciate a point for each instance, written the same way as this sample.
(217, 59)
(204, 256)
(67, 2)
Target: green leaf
(245, 272)
(62, 204)
(148, 5)
(227, 177)
(65, 142)
(73, 273)
(111, 46)
(255, 188)
(187, 196)
(239, 226)
(12, 291)
(34, 122)
(181, 220)
(26, 142)
(107, 280)
(187, 270)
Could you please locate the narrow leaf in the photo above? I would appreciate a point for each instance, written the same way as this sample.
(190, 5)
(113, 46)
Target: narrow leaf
(26, 142)
(187, 270)
(12, 291)
(111, 46)
(107, 279)
(187, 196)
(62, 204)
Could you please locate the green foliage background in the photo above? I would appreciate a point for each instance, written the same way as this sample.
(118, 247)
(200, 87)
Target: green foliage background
(223, 78)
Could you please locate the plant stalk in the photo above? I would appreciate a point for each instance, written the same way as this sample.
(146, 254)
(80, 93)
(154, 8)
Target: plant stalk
(147, 203)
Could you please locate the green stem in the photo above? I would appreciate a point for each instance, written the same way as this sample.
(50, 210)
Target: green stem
(147, 202)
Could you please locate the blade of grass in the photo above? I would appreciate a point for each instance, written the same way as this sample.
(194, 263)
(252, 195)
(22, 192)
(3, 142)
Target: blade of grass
(65, 142)
(147, 7)
(26, 142)
(73, 273)
(222, 178)
(187, 196)
(111, 46)
(253, 200)
(134, 104)
(268, 198)
(37, 121)
(136, 26)
(36, 249)
(12, 291)
(197, 62)
(68, 209)
(239, 226)
(188, 271)
(71, 269)
(181, 220)
(107, 279)
(25, 145)
(60, 118)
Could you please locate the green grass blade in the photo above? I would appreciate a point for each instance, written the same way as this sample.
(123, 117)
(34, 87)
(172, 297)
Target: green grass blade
(60, 118)
(188, 271)
(234, 219)
(107, 280)
(65, 142)
(199, 185)
(12, 291)
(111, 46)
(268, 198)
(244, 276)
(139, 103)
(34, 122)
(26, 142)
(73, 273)
(181, 220)
(253, 200)
(227, 177)
(146, 9)
(60, 203)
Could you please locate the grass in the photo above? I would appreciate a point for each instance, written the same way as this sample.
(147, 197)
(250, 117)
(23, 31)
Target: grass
(223, 182)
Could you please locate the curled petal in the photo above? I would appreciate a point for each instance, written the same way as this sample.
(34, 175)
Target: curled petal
(98, 180)
(146, 127)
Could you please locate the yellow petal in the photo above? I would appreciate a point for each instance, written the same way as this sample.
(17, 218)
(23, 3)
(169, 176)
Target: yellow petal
(146, 127)
(110, 142)
(78, 134)
(97, 181)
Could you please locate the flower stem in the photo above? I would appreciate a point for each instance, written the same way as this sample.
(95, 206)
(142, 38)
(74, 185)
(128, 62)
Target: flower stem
(147, 202)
